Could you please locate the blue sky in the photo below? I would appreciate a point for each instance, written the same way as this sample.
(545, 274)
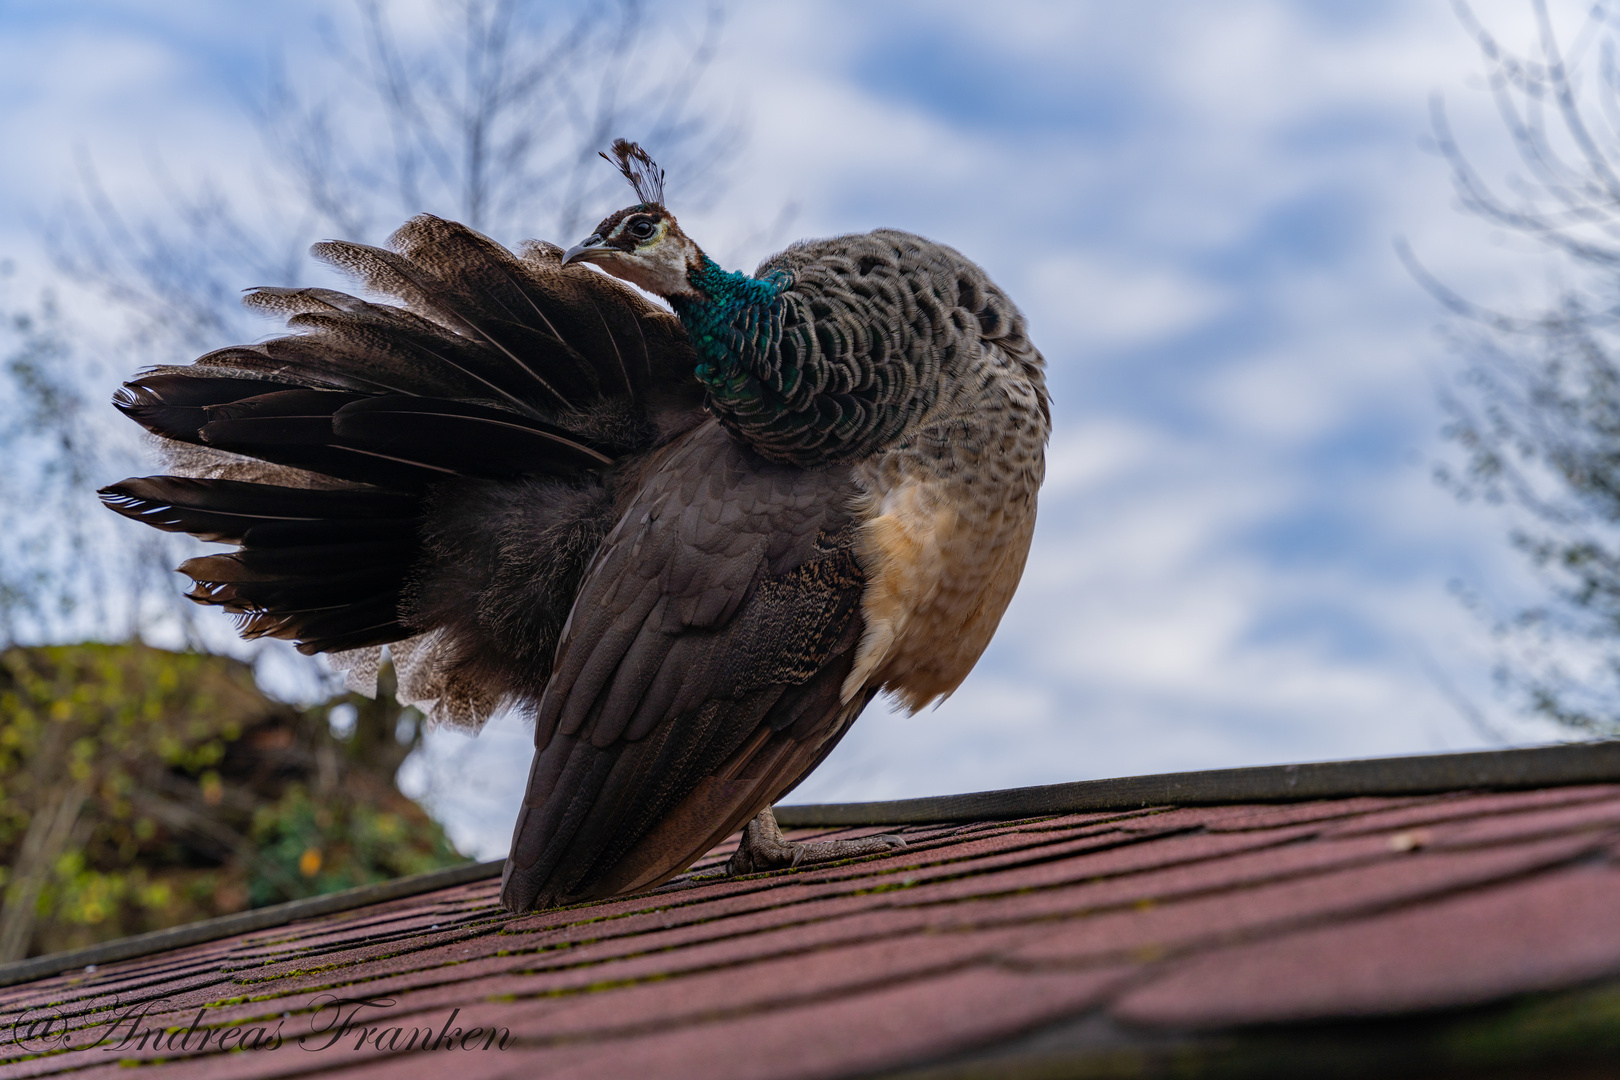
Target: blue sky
(1241, 556)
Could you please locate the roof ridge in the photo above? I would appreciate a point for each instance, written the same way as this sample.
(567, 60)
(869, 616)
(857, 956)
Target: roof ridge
(1558, 765)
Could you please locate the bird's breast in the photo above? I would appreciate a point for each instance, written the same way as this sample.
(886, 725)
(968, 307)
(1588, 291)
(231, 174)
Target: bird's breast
(946, 525)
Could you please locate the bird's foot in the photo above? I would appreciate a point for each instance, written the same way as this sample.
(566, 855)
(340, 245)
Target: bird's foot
(763, 848)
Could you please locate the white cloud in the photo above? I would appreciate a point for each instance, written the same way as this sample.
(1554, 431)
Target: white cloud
(1224, 373)
(1087, 454)
(1102, 301)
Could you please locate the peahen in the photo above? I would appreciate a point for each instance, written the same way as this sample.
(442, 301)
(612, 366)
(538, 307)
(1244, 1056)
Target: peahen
(692, 547)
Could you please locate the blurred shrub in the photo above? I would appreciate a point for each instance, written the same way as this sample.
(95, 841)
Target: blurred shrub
(141, 788)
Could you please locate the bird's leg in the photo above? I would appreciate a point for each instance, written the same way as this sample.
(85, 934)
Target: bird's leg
(762, 848)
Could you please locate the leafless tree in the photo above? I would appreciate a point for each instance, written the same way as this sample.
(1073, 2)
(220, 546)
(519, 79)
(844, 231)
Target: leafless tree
(1536, 411)
(500, 125)
(487, 111)
(62, 575)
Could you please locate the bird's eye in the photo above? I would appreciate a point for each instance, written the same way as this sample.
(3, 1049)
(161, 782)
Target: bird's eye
(641, 228)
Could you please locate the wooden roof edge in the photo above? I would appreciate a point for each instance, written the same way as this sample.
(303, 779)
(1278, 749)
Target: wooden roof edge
(1500, 770)
(1495, 770)
(244, 922)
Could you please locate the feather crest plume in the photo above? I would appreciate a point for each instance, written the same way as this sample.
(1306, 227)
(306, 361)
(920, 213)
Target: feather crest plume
(640, 169)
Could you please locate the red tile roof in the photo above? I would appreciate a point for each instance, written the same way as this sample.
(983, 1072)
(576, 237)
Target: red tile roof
(1443, 934)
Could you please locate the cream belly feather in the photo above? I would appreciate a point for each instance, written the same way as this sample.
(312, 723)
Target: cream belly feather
(949, 518)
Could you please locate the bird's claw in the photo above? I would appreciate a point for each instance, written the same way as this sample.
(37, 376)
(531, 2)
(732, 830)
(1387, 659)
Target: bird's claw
(763, 848)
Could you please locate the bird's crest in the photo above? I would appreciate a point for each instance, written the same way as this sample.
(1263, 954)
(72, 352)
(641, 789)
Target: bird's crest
(642, 171)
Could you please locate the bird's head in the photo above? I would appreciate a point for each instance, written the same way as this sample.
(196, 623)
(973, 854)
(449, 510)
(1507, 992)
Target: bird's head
(641, 244)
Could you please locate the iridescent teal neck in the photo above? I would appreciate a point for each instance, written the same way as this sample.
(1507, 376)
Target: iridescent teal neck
(732, 320)
(759, 358)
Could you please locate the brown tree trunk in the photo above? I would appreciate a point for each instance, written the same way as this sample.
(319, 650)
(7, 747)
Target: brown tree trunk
(47, 837)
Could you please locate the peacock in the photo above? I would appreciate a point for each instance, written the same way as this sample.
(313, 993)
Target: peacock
(692, 544)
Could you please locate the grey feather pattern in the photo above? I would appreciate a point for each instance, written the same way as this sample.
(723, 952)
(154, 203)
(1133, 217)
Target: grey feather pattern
(874, 328)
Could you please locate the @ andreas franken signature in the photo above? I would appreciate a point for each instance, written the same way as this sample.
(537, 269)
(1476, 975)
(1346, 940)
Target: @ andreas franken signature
(356, 1023)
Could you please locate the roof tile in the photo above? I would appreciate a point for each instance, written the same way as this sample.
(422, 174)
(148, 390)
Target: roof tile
(645, 1002)
(1472, 805)
(1550, 931)
(1154, 930)
(1499, 828)
(1177, 866)
(1133, 856)
(853, 1034)
(1272, 816)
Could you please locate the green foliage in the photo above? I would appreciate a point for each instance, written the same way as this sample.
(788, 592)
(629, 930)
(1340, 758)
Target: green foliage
(338, 844)
(141, 788)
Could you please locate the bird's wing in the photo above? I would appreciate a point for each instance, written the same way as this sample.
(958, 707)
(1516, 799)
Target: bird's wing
(698, 677)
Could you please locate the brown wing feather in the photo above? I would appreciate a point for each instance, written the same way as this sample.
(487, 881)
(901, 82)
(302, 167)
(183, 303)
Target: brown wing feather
(698, 677)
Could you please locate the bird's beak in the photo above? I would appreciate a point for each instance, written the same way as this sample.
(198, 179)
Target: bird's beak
(590, 249)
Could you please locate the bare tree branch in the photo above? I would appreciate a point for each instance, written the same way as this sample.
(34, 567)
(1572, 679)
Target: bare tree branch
(1536, 411)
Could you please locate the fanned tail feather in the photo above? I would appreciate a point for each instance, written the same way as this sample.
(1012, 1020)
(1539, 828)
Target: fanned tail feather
(324, 568)
(391, 440)
(496, 368)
